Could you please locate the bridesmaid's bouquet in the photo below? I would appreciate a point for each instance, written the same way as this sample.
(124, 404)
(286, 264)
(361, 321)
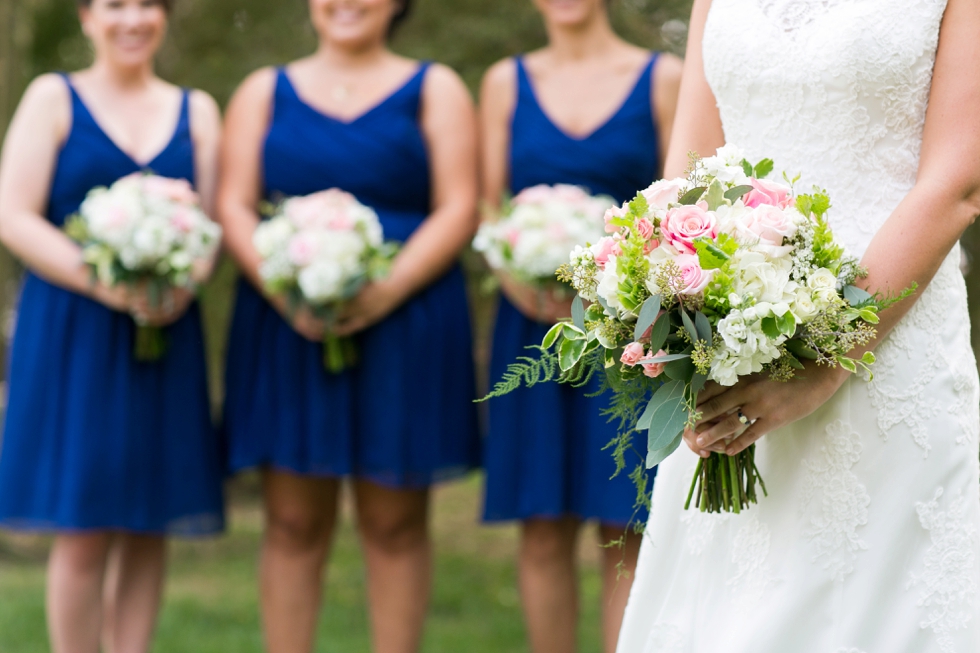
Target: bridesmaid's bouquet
(538, 229)
(715, 276)
(145, 230)
(319, 250)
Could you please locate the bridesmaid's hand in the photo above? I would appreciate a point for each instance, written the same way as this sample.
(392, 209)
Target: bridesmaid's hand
(375, 302)
(172, 307)
(545, 306)
(302, 319)
(766, 404)
(115, 298)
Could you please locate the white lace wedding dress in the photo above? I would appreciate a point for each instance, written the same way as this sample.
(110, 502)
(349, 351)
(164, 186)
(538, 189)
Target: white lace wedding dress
(868, 541)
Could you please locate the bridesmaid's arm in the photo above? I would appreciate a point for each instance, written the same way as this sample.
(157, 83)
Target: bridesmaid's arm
(666, 86)
(239, 188)
(497, 100)
(914, 241)
(449, 127)
(697, 124)
(27, 164)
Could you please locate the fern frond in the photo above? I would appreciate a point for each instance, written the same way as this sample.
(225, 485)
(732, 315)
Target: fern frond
(527, 371)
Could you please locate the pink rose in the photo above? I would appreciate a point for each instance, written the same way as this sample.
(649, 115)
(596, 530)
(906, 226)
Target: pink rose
(769, 224)
(650, 246)
(768, 192)
(617, 249)
(684, 224)
(653, 370)
(302, 249)
(570, 194)
(645, 228)
(663, 193)
(182, 220)
(612, 213)
(534, 195)
(603, 250)
(695, 279)
(632, 354)
(340, 220)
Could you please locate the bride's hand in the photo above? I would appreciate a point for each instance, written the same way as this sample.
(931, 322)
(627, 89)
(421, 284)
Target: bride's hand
(765, 404)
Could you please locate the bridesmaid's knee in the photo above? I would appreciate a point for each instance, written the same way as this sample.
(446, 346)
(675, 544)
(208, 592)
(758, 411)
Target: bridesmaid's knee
(393, 532)
(82, 553)
(547, 542)
(295, 530)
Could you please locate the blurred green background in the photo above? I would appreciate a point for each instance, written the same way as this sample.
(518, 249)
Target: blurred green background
(211, 601)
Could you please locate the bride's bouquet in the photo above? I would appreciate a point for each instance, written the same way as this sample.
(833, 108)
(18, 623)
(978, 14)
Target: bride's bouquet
(145, 230)
(319, 250)
(715, 276)
(537, 230)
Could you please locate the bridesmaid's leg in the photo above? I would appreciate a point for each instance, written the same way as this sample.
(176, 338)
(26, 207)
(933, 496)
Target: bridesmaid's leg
(76, 570)
(618, 567)
(395, 534)
(301, 513)
(133, 588)
(549, 583)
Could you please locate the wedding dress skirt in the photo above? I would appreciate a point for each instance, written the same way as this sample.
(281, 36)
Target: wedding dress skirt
(868, 541)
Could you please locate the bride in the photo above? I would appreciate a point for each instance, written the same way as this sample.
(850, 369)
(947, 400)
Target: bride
(868, 541)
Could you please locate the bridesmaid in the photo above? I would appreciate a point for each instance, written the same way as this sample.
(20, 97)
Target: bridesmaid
(592, 110)
(401, 136)
(108, 454)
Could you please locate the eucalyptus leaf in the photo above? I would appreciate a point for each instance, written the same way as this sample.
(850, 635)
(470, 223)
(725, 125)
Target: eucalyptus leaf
(794, 362)
(602, 302)
(681, 369)
(703, 327)
(654, 458)
(668, 420)
(689, 325)
(716, 195)
(648, 315)
(660, 396)
(552, 336)
(697, 385)
(578, 312)
(736, 193)
(692, 196)
(666, 358)
(659, 333)
(569, 353)
(856, 296)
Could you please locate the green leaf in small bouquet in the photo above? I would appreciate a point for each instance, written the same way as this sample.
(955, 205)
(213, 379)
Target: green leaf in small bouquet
(703, 327)
(692, 196)
(770, 327)
(869, 314)
(77, 229)
(655, 457)
(847, 363)
(578, 312)
(716, 195)
(747, 168)
(763, 168)
(736, 193)
(639, 206)
(856, 296)
(552, 336)
(794, 362)
(572, 332)
(868, 358)
(713, 255)
(786, 323)
(799, 349)
(648, 315)
(570, 352)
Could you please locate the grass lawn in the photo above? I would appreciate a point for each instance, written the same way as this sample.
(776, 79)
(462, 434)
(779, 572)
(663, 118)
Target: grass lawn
(211, 604)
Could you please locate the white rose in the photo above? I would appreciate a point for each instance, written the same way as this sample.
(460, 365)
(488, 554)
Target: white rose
(272, 236)
(608, 287)
(321, 282)
(803, 306)
(763, 278)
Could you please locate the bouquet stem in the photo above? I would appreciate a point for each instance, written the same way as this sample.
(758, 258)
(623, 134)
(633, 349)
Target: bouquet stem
(725, 483)
(339, 353)
(150, 344)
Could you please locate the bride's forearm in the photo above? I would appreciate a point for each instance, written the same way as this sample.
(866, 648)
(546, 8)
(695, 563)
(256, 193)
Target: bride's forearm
(912, 245)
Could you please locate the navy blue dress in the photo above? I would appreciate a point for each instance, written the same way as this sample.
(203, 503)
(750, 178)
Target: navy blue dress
(404, 416)
(544, 453)
(93, 439)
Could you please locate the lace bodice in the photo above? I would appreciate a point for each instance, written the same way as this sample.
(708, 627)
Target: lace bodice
(828, 88)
